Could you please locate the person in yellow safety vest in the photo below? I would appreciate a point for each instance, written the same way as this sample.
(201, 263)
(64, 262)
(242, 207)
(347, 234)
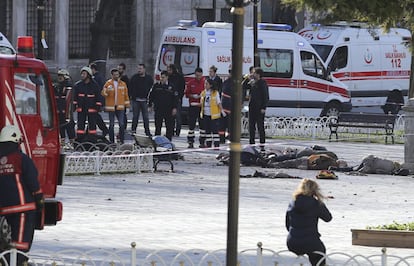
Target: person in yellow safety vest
(211, 112)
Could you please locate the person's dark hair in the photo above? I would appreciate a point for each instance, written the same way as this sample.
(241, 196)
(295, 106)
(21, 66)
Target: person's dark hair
(198, 69)
(251, 69)
(164, 72)
(122, 65)
(214, 68)
(93, 66)
(142, 64)
(212, 83)
(173, 68)
(114, 70)
(258, 71)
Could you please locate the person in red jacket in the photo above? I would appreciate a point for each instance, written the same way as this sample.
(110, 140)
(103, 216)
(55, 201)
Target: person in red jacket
(21, 197)
(193, 93)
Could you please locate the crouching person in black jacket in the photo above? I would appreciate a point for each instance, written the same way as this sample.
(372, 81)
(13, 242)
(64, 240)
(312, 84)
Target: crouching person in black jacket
(20, 193)
(302, 221)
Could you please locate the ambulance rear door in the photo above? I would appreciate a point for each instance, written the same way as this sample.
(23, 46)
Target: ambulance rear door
(180, 47)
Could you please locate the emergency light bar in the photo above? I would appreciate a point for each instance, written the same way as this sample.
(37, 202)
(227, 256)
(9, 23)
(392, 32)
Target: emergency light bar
(186, 23)
(218, 25)
(274, 27)
(25, 46)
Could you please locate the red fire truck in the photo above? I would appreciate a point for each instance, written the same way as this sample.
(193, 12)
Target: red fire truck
(27, 100)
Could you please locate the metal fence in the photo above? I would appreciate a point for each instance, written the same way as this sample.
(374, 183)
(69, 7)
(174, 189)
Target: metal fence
(98, 162)
(258, 256)
(318, 128)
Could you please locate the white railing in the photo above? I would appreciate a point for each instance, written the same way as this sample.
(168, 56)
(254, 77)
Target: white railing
(98, 162)
(258, 256)
(317, 128)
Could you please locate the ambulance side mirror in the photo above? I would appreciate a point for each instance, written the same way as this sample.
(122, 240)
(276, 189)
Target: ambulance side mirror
(328, 72)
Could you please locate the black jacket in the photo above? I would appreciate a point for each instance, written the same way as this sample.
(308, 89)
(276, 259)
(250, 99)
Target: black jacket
(19, 183)
(139, 87)
(178, 81)
(63, 95)
(259, 95)
(163, 96)
(226, 95)
(87, 96)
(302, 218)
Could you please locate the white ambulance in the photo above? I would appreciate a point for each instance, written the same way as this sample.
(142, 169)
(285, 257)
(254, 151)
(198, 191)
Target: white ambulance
(298, 81)
(373, 63)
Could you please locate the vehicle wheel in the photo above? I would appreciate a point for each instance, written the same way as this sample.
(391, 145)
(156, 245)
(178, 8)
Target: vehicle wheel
(331, 109)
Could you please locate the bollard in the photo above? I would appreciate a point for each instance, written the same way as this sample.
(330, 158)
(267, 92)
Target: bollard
(133, 254)
(259, 253)
(384, 257)
(13, 257)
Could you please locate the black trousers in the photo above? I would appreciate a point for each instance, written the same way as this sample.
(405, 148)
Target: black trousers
(101, 124)
(66, 127)
(308, 246)
(256, 118)
(161, 116)
(82, 117)
(22, 232)
(193, 118)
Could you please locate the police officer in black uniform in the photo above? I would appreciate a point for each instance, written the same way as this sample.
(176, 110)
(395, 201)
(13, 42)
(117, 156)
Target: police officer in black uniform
(165, 99)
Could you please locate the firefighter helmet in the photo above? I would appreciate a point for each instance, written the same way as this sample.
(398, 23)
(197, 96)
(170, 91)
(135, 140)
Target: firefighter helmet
(87, 69)
(10, 133)
(64, 73)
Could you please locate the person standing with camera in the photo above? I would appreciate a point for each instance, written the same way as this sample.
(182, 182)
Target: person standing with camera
(302, 217)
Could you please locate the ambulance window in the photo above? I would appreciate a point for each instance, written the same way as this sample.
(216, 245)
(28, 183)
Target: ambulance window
(339, 59)
(276, 62)
(311, 65)
(25, 94)
(185, 57)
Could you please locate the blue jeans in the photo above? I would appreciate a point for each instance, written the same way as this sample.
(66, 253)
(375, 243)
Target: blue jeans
(120, 115)
(137, 108)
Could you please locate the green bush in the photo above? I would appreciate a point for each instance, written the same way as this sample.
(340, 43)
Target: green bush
(394, 226)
